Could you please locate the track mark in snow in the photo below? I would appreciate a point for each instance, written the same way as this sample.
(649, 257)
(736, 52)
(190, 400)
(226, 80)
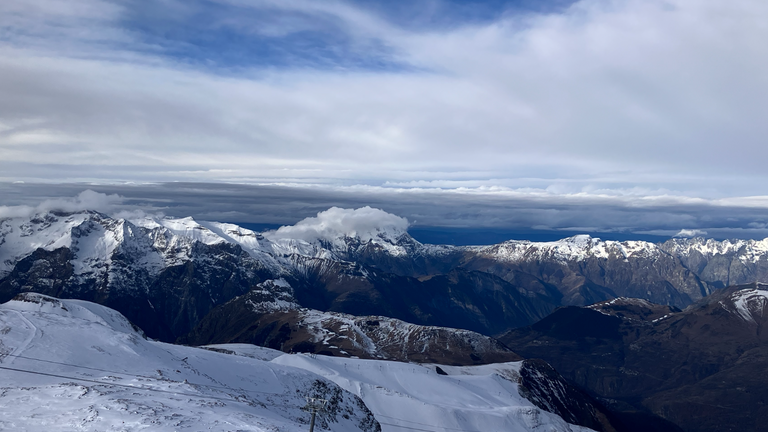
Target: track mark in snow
(20, 349)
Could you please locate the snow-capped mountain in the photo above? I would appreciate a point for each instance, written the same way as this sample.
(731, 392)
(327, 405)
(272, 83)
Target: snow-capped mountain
(167, 274)
(587, 270)
(75, 365)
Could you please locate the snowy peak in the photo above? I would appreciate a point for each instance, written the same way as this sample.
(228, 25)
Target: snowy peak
(338, 231)
(576, 248)
(746, 250)
(749, 304)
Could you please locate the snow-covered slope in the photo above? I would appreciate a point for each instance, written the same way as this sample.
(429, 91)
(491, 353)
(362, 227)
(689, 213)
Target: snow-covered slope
(94, 372)
(405, 396)
(73, 365)
(749, 304)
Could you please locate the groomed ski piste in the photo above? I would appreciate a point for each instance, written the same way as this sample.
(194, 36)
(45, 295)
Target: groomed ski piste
(74, 365)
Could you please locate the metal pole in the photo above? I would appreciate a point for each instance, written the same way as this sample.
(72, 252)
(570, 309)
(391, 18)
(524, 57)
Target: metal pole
(314, 405)
(312, 422)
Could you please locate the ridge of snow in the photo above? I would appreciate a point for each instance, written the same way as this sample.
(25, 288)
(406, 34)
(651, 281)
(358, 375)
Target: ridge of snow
(576, 248)
(747, 250)
(76, 309)
(21, 236)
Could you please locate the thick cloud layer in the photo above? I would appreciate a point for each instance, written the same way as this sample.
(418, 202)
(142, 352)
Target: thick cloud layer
(365, 223)
(616, 96)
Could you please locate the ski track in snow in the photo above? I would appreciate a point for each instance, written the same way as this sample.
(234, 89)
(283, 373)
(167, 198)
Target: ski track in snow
(20, 349)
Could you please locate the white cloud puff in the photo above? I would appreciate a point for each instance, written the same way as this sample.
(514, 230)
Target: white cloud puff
(365, 222)
(690, 233)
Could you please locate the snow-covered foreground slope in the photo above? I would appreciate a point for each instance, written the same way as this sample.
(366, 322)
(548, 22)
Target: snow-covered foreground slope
(73, 365)
(405, 396)
(93, 371)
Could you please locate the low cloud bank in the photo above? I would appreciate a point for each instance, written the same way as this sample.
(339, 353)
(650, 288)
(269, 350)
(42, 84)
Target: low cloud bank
(85, 200)
(515, 214)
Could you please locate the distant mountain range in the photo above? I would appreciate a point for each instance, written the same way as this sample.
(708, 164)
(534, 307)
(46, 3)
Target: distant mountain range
(374, 292)
(167, 275)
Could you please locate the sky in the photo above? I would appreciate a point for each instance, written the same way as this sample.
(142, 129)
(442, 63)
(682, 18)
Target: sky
(547, 115)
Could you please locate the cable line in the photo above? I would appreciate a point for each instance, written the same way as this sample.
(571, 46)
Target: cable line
(150, 389)
(226, 399)
(144, 376)
(416, 429)
(425, 424)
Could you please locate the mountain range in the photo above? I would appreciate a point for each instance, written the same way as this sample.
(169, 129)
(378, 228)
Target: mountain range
(167, 275)
(635, 324)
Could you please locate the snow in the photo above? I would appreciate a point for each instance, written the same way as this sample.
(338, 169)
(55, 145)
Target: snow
(747, 250)
(93, 371)
(246, 350)
(576, 248)
(106, 376)
(404, 395)
(20, 237)
(188, 228)
(750, 303)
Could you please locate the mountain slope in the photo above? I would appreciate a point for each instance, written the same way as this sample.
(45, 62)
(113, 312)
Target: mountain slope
(671, 362)
(94, 371)
(261, 318)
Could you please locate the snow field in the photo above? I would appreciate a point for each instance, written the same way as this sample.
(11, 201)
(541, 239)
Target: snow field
(90, 370)
(93, 372)
(406, 397)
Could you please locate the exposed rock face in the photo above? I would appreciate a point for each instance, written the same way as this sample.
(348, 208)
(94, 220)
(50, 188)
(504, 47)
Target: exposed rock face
(163, 282)
(541, 384)
(167, 274)
(701, 368)
(282, 324)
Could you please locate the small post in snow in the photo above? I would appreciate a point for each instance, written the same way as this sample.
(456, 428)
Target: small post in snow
(313, 406)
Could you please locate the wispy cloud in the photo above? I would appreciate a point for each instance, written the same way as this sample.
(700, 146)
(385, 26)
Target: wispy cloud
(596, 96)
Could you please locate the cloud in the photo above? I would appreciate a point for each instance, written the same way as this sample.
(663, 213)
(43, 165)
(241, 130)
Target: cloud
(365, 223)
(501, 214)
(603, 94)
(85, 200)
(690, 233)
